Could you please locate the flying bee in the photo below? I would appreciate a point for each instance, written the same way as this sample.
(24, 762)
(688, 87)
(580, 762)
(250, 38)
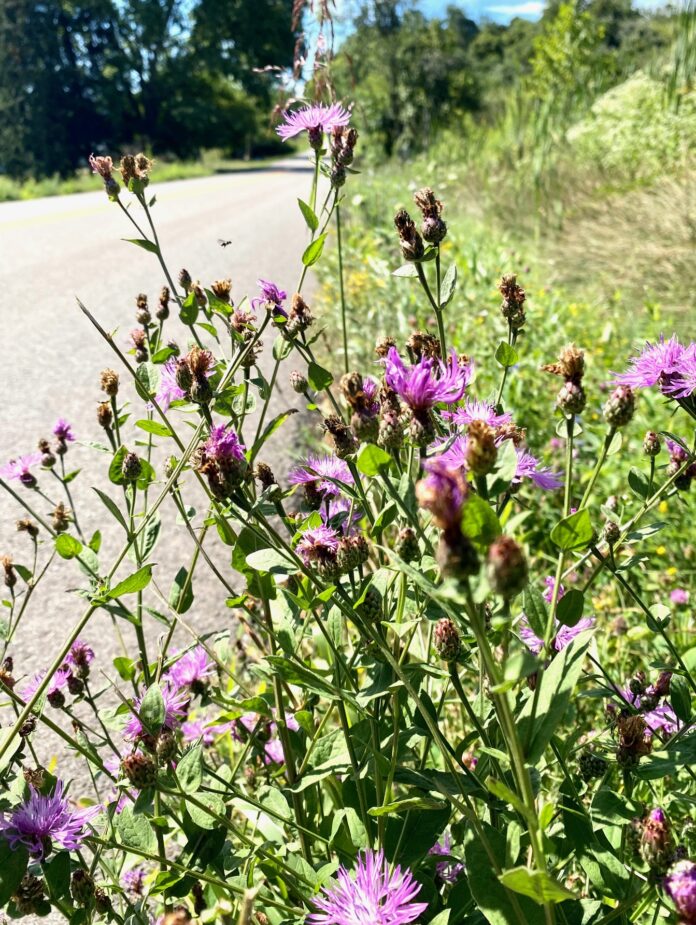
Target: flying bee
(223, 243)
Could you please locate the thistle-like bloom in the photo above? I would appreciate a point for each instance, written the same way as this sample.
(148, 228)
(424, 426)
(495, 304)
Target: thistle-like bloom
(193, 669)
(679, 596)
(63, 431)
(20, 469)
(271, 297)
(57, 683)
(476, 410)
(80, 654)
(322, 473)
(175, 707)
(194, 729)
(550, 583)
(169, 389)
(223, 445)
(667, 364)
(373, 896)
(272, 746)
(528, 468)
(102, 165)
(680, 884)
(317, 545)
(341, 514)
(564, 634)
(659, 719)
(133, 881)
(427, 383)
(312, 118)
(42, 821)
(447, 871)
(442, 492)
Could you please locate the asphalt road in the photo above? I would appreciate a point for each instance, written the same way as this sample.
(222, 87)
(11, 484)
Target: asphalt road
(53, 250)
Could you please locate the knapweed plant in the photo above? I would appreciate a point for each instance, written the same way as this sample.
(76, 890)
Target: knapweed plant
(414, 711)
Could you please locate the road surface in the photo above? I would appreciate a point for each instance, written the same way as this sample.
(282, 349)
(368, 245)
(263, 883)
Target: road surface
(54, 250)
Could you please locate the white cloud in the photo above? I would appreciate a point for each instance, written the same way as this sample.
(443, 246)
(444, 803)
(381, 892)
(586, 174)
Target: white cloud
(529, 8)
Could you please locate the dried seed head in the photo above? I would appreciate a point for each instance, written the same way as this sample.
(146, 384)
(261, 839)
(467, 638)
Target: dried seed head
(81, 886)
(140, 770)
(514, 296)
(570, 365)
(343, 437)
(29, 895)
(185, 279)
(421, 345)
(109, 382)
(10, 576)
(132, 467)
(28, 526)
(105, 415)
(61, 518)
(411, 242)
(383, 346)
(222, 289)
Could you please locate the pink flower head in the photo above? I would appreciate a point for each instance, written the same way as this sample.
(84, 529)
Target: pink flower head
(659, 719)
(338, 514)
(175, 707)
(447, 871)
(528, 468)
(102, 165)
(322, 473)
(429, 382)
(80, 655)
(317, 544)
(371, 392)
(192, 670)
(133, 881)
(194, 729)
(271, 297)
(659, 364)
(223, 445)
(20, 469)
(169, 390)
(679, 596)
(374, 895)
(680, 884)
(57, 683)
(63, 431)
(453, 457)
(564, 634)
(550, 583)
(312, 119)
(272, 746)
(42, 821)
(476, 410)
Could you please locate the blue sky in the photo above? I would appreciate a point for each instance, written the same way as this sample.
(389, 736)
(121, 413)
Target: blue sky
(505, 10)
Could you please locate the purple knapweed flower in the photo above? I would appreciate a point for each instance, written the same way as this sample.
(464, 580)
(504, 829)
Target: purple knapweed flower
(42, 821)
(679, 596)
(175, 707)
(312, 119)
(658, 364)
(550, 583)
(564, 634)
(373, 895)
(63, 431)
(476, 410)
(317, 543)
(192, 670)
(322, 473)
(429, 382)
(341, 514)
(659, 719)
(528, 468)
(272, 746)
(133, 881)
(169, 390)
(80, 655)
(680, 884)
(194, 729)
(19, 468)
(56, 684)
(447, 871)
(371, 393)
(271, 297)
(223, 445)
(452, 457)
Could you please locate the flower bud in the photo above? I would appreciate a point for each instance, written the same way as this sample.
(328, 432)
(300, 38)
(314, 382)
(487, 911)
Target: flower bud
(390, 434)
(371, 607)
(421, 427)
(611, 532)
(446, 640)
(183, 375)
(592, 766)
(353, 552)
(105, 415)
(132, 468)
(298, 382)
(140, 770)
(507, 567)
(166, 747)
(571, 399)
(81, 886)
(200, 390)
(455, 554)
(651, 443)
(619, 409)
(60, 518)
(185, 280)
(365, 426)
(514, 296)
(29, 894)
(481, 451)
(657, 843)
(406, 545)
(102, 903)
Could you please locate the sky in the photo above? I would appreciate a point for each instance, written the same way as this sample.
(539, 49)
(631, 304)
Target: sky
(505, 10)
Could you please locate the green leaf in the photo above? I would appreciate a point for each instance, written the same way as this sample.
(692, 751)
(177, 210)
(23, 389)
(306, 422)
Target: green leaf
(152, 710)
(272, 427)
(574, 531)
(534, 607)
(125, 667)
(537, 884)
(112, 507)
(270, 560)
(135, 582)
(57, 874)
(372, 460)
(408, 270)
(552, 698)
(181, 592)
(146, 380)
(405, 805)
(13, 865)
(449, 284)
(639, 483)
(135, 831)
(199, 816)
(189, 771)
(67, 546)
(142, 242)
(189, 309)
(313, 251)
(506, 355)
(116, 466)
(503, 792)
(570, 607)
(318, 377)
(680, 697)
(309, 215)
(479, 521)
(154, 427)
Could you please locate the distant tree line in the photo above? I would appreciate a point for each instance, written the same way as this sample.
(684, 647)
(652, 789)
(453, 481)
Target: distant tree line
(412, 76)
(174, 76)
